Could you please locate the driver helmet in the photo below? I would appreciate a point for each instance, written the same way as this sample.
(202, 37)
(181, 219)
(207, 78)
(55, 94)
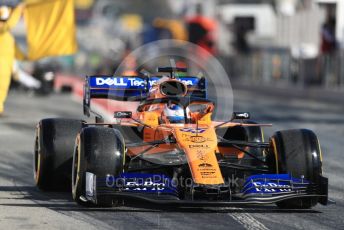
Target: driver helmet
(174, 113)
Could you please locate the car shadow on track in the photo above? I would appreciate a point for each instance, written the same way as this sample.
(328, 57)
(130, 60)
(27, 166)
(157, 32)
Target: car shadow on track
(62, 201)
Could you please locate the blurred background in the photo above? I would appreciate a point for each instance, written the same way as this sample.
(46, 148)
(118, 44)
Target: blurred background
(265, 42)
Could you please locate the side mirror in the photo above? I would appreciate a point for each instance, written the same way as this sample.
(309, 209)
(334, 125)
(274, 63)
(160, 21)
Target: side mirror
(122, 114)
(240, 115)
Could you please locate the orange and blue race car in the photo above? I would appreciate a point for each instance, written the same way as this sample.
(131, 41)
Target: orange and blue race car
(170, 151)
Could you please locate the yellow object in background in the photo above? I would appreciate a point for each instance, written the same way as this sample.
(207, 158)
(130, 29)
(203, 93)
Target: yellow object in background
(132, 22)
(50, 28)
(7, 53)
(6, 66)
(176, 27)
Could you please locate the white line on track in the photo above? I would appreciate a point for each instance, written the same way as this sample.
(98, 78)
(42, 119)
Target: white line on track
(246, 220)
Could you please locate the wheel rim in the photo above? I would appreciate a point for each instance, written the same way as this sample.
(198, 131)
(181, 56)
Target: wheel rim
(37, 160)
(76, 168)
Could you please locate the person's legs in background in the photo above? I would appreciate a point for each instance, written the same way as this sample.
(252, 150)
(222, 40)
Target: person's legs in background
(5, 80)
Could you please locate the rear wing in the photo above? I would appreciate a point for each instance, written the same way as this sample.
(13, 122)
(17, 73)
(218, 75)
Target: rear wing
(132, 88)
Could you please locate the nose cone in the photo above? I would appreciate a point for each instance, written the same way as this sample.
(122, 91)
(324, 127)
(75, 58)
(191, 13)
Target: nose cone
(199, 145)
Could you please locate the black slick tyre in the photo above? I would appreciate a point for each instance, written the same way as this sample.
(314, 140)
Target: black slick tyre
(100, 151)
(298, 153)
(54, 145)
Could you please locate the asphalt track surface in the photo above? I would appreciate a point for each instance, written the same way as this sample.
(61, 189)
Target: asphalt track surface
(22, 206)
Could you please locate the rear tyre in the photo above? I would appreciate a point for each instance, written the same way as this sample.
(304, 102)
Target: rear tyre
(101, 151)
(54, 145)
(298, 153)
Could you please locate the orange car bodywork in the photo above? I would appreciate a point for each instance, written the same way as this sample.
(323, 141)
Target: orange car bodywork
(198, 141)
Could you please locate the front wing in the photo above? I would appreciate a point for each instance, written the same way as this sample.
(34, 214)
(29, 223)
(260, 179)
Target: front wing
(258, 190)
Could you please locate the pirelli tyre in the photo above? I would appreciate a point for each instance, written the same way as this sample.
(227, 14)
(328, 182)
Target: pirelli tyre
(54, 146)
(298, 153)
(101, 152)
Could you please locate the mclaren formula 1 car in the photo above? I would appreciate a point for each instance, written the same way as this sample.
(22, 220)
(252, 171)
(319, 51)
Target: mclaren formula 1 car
(170, 151)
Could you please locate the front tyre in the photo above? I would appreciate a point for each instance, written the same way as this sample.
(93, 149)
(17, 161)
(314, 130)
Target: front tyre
(100, 151)
(298, 153)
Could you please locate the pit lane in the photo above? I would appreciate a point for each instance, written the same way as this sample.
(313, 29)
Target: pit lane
(24, 207)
